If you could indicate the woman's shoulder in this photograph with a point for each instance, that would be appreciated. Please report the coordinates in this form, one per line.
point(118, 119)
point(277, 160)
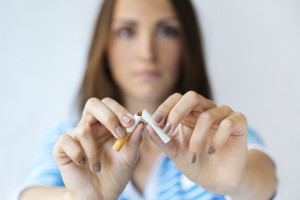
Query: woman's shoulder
point(52, 135)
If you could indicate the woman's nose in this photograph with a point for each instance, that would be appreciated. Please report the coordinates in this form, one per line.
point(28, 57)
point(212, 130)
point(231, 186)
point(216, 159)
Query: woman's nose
point(145, 48)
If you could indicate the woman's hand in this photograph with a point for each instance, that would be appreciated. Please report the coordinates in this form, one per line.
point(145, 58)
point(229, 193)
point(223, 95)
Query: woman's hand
point(210, 143)
point(90, 168)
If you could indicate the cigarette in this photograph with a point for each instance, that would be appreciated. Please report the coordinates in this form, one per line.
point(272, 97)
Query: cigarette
point(120, 142)
point(148, 118)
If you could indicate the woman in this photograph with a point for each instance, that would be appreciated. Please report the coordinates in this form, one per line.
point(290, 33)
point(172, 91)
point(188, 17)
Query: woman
point(147, 55)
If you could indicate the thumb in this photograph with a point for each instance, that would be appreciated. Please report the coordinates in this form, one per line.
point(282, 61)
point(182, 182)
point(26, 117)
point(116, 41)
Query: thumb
point(168, 148)
point(133, 143)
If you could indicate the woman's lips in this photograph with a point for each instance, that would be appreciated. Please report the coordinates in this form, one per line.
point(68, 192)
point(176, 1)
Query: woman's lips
point(148, 75)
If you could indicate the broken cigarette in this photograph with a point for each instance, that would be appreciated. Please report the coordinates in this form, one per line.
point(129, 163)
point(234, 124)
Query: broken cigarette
point(145, 115)
point(148, 118)
point(120, 142)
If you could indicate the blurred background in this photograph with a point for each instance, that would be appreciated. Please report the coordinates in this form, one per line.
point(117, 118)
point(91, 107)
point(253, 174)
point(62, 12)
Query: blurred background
point(252, 50)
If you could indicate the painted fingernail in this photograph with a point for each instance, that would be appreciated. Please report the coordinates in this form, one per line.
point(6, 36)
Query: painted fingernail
point(157, 117)
point(120, 131)
point(167, 128)
point(82, 161)
point(211, 151)
point(127, 118)
point(97, 167)
point(191, 157)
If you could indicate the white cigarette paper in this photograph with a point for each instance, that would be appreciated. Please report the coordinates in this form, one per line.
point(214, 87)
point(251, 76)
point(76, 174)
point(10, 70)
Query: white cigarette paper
point(137, 119)
point(148, 118)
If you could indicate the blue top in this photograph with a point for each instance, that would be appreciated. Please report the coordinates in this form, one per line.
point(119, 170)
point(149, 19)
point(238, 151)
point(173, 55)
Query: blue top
point(165, 180)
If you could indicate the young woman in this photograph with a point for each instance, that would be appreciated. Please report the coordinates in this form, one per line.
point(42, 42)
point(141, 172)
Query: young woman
point(147, 55)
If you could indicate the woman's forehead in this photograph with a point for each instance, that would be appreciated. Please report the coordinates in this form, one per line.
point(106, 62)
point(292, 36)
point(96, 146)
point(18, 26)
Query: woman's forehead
point(143, 9)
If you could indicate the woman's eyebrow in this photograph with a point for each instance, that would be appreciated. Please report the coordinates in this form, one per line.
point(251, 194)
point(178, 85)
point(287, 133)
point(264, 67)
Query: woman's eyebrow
point(168, 20)
point(128, 21)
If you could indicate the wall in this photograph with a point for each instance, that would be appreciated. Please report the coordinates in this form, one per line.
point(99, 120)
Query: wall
point(252, 52)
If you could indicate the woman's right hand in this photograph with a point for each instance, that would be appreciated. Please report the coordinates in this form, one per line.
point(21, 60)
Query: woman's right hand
point(90, 168)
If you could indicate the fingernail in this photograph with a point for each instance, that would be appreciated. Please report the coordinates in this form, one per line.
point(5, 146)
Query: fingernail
point(167, 128)
point(191, 157)
point(126, 118)
point(120, 131)
point(157, 117)
point(211, 151)
point(97, 167)
point(82, 161)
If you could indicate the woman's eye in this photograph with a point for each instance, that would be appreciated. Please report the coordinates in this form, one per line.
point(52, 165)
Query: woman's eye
point(167, 31)
point(126, 32)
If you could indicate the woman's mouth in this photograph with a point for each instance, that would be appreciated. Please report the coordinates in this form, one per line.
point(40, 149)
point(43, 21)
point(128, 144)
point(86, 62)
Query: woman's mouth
point(148, 74)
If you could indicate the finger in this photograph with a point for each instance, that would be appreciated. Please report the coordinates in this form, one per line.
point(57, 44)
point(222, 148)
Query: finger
point(65, 145)
point(84, 135)
point(204, 123)
point(190, 102)
point(168, 148)
point(235, 124)
point(96, 111)
point(160, 115)
point(135, 138)
point(126, 119)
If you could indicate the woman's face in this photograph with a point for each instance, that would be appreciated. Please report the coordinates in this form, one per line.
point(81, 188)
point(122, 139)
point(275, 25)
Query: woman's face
point(144, 48)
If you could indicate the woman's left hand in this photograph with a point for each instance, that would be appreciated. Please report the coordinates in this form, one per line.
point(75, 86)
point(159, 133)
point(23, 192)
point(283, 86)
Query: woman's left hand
point(209, 144)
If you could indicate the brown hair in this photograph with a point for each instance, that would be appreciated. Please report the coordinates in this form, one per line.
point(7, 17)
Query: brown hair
point(97, 81)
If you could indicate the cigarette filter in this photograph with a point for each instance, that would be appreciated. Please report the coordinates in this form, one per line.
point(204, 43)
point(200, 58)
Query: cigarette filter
point(120, 142)
point(148, 118)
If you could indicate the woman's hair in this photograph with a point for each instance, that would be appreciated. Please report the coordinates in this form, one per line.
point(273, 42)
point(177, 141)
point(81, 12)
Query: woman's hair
point(98, 82)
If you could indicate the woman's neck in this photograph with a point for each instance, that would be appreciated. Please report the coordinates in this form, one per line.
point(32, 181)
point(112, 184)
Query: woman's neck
point(134, 105)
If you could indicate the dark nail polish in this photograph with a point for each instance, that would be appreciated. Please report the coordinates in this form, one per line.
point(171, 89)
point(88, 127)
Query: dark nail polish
point(120, 131)
point(211, 151)
point(167, 128)
point(126, 118)
point(157, 117)
point(82, 161)
point(97, 167)
point(191, 157)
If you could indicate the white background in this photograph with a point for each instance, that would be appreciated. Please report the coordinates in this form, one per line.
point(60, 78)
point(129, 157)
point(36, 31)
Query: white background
point(252, 50)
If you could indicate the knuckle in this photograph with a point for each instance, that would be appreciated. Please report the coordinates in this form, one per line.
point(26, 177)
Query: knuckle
point(175, 114)
point(196, 142)
point(241, 116)
point(206, 117)
point(92, 156)
point(106, 100)
point(228, 124)
point(192, 94)
point(211, 103)
point(63, 139)
point(77, 154)
point(226, 109)
point(90, 102)
point(85, 131)
point(177, 95)
point(111, 119)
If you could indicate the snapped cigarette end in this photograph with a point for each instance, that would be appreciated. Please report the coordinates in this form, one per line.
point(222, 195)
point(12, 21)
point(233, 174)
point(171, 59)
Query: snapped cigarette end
point(120, 142)
point(148, 118)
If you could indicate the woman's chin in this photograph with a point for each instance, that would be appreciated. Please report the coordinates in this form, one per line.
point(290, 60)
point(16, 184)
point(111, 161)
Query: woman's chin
point(152, 96)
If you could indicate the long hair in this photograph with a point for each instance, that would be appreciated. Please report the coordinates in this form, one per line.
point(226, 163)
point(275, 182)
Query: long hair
point(98, 82)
